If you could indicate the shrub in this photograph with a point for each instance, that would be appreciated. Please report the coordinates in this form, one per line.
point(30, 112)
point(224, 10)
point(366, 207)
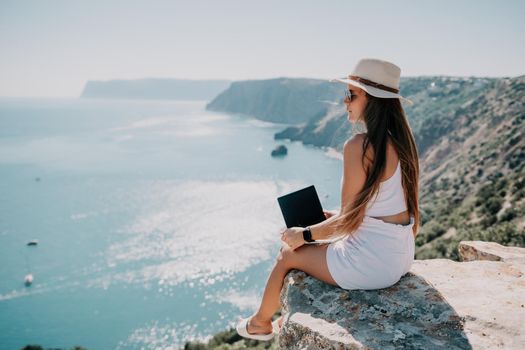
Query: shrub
point(488, 220)
point(506, 233)
point(493, 205)
point(430, 231)
point(508, 215)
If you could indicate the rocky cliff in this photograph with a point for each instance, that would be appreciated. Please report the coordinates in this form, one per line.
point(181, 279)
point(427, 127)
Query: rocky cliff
point(280, 100)
point(473, 175)
point(440, 304)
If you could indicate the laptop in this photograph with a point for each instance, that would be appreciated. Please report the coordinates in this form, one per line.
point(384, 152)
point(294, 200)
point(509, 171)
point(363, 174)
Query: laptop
point(301, 208)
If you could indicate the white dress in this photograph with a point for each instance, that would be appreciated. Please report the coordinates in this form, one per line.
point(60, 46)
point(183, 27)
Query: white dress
point(379, 253)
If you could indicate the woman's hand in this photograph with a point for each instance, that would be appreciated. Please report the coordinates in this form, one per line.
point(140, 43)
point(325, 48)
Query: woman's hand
point(329, 214)
point(293, 237)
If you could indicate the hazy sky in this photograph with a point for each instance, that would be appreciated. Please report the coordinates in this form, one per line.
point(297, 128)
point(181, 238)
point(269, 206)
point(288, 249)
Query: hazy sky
point(51, 48)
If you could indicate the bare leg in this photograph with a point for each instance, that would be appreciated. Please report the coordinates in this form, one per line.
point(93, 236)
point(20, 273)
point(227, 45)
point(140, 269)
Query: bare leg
point(308, 258)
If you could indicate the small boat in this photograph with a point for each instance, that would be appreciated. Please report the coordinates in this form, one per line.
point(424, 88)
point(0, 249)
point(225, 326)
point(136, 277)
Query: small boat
point(33, 242)
point(28, 279)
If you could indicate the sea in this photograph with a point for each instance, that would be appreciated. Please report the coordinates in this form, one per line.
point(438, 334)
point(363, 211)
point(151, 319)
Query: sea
point(156, 221)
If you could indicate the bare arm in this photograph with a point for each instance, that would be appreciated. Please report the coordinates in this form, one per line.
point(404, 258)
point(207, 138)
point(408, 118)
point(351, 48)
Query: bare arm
point(354, 177)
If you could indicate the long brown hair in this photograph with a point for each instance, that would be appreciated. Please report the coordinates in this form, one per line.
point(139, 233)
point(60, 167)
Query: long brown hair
point(384, 117)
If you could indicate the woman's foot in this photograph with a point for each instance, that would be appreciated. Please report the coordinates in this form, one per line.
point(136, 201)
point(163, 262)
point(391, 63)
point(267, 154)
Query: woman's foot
point(255, 326)
point(252, 328)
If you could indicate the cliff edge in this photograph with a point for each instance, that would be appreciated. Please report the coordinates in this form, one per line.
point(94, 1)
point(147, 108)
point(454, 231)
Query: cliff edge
point(477, 303)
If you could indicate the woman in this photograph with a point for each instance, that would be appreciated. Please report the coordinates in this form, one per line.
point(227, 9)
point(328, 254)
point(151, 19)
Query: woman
point(379, 215)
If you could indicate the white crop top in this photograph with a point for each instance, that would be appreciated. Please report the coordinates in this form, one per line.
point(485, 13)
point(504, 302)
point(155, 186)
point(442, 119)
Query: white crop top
point(390, 198)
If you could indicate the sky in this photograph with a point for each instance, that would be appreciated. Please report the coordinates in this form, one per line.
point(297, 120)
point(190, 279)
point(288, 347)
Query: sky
point(52, 48)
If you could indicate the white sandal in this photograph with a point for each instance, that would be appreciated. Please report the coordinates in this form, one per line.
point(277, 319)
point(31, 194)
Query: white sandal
point(242, 330)
point(276, 327)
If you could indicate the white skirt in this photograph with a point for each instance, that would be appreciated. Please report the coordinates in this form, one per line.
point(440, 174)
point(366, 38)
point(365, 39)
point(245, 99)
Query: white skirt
point(376, 256)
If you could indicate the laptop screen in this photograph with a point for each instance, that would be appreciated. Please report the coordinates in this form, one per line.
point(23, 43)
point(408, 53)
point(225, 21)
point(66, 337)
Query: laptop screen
point(301, 208)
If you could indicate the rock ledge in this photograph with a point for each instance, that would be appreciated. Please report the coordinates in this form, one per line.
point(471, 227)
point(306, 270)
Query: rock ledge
point(439, 304)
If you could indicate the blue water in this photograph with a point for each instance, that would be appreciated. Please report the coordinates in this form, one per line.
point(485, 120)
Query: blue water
point(157, 221)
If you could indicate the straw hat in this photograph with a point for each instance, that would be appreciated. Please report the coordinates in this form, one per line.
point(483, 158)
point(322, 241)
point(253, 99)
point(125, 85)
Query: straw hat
point(377, 77)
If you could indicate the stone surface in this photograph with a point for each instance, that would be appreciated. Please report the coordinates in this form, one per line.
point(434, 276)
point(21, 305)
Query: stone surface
point(439, 304)
point(479, 250)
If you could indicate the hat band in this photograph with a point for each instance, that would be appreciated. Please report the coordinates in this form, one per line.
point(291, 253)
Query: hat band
point(371, 83)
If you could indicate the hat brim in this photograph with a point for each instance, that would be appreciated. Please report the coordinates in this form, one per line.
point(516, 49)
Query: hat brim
point(372, 90)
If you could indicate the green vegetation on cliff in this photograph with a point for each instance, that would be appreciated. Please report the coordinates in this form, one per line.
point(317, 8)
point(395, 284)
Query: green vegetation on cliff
point(230, 340)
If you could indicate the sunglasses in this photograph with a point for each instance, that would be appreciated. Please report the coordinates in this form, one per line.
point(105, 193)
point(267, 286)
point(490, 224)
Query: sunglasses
point(349, 94)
